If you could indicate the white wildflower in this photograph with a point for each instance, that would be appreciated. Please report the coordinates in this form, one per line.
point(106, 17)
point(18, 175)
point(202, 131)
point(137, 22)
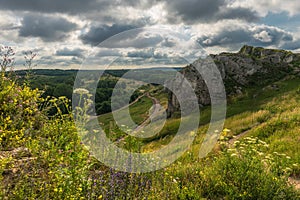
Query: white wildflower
point(81, 91)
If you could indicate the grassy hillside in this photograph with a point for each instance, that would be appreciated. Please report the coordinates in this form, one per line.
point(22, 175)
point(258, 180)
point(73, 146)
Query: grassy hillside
point(255, 107)
point(263, 127)
point(139, 112)
point(42, 157)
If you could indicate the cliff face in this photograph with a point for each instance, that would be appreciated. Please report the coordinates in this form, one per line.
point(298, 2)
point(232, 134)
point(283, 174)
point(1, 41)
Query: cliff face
point(249, 67)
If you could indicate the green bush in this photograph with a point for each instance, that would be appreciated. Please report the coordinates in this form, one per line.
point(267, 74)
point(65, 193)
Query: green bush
point(20, 116)
point(247, 172)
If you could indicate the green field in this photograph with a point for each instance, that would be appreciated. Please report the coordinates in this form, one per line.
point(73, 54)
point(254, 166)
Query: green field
point(257, 156)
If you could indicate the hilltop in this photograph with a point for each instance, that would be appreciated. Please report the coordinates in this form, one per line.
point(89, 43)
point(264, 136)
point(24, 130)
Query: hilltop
point(249, 67)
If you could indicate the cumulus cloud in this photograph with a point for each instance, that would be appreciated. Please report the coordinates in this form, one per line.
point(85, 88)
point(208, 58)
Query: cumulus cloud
point(48, 28)
point(168, 43)
point(70, 52)
point(218, 24)
point(241, 13)
point(263, 36)
point(194, 11)
point(104, 52)
point(57, 62)
point(98, 34)
point(269, 35)
point(46, 6)
point(71, 7)
point(147, 53)
point(135, 38)
point(266, 6)
point(252, 35)
point(146, 62)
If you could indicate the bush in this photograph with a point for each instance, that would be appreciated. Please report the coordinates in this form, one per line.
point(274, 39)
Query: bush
point(56, 166)
point(20, 116)
point(247, 172)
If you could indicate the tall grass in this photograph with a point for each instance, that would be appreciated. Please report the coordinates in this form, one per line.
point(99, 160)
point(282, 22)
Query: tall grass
point(55, 165)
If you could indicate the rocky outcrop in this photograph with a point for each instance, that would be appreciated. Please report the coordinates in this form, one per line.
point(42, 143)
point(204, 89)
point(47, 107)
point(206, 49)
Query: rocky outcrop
point(248, 67)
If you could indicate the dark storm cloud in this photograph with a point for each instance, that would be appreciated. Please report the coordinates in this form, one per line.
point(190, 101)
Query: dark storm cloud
point(188, 11)
point(238, 13)
point(98, 34)
point(130, 37)
point(195, 11)
point(70, 52)
point(48, 28)
point(260, 36)
point(70, 6)
point(74, 6)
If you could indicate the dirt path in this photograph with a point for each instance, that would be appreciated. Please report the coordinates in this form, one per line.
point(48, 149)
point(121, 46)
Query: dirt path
point(155, 111)
point(239, 136)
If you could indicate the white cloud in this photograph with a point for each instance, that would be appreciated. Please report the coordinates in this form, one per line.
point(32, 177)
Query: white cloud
point(227, 31)
point(263, 36)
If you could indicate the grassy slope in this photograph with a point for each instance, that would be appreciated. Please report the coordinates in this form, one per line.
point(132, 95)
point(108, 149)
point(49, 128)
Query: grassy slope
point(257, 111)
point(273, 116)
point(261, 111)
point(138, 111)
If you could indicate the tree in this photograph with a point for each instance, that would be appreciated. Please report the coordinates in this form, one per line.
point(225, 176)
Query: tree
point(63, 89)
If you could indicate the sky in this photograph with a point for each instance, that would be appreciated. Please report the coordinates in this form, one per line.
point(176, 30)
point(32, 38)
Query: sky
point(67, 33)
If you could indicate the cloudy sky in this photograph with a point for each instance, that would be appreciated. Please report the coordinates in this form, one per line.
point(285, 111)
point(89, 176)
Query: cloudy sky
point(64, 32)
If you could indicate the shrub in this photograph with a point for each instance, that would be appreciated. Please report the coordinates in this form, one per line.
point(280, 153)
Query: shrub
point(20, 116)
point(247, 172)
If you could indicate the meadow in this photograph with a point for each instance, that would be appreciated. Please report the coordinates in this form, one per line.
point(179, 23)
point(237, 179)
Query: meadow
point(257, 155)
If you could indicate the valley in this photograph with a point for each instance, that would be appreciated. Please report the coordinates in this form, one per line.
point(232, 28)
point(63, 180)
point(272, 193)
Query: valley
point(257, 155)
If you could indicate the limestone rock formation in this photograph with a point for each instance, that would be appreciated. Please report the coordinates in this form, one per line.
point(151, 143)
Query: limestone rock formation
point(248, 67)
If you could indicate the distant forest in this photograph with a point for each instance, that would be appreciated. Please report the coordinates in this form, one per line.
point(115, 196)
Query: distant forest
point(57, 83)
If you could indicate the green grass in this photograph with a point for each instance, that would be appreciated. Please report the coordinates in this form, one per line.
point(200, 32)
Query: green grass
point(268, 114)
point(139, 112)
point(258, 107)
point(255, 167)
point(256, 111)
